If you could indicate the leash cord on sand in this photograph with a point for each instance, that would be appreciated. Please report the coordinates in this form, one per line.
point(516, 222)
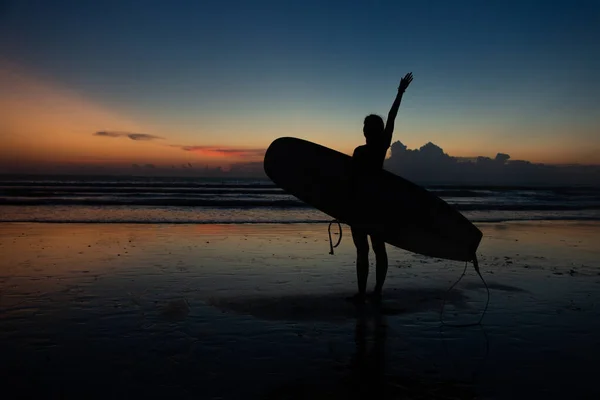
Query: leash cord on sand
point(476, 266)
point(331, 246)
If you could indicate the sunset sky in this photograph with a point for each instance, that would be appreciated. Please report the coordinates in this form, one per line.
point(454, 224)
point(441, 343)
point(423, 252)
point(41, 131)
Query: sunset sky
point(174, 83)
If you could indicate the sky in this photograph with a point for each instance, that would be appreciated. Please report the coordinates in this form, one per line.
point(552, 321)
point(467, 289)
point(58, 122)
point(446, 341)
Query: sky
point(179, 84)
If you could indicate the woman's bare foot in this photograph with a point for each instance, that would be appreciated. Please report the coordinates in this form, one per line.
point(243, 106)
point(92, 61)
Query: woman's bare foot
point(358, 298)
point(375, 296)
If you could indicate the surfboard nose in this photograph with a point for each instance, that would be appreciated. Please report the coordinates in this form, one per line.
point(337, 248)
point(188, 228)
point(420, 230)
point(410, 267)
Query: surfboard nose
point(272, 154)
point(280, 152)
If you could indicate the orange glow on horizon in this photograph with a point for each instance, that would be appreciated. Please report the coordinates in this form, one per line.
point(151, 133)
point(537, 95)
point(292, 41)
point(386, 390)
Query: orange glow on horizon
point(44, 125)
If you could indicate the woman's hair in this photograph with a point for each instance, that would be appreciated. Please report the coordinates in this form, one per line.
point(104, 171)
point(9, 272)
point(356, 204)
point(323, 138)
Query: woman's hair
point(374, 126)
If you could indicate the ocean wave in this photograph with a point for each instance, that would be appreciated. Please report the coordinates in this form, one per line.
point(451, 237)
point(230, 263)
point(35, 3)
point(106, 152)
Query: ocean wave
point(258, 202)
point(136, 184)
point(162, 202)
point(258, 222)
point(526, 207)
point(118, 183)
point(93, 191)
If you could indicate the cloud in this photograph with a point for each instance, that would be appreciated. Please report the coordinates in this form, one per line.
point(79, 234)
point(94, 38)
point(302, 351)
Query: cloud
point(215, 151)
point(206, 151)
point(430, 164)
point(130, 135)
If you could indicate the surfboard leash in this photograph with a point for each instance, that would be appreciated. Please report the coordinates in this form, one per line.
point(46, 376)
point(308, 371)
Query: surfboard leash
point(331, 246)
point(476, 266)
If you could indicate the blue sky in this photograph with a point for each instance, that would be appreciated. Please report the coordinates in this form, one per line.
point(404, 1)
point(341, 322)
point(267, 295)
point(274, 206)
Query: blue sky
point(489, 76)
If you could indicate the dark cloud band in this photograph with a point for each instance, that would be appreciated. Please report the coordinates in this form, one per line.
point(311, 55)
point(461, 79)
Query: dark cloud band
point(130, 135)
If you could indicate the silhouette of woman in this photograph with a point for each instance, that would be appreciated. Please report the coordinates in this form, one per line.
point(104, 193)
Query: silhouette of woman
point(369, 158)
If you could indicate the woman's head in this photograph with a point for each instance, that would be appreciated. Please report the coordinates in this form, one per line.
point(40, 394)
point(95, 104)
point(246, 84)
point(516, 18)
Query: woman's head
point(373, 127)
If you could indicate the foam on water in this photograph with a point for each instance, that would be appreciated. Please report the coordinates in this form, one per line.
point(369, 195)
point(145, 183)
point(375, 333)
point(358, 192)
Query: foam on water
point(195, 200)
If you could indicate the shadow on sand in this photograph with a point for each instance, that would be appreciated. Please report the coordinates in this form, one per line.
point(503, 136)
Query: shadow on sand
point(334, 306)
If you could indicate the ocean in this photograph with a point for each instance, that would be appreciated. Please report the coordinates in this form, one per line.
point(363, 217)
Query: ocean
point(181, 308)
point(160, 200)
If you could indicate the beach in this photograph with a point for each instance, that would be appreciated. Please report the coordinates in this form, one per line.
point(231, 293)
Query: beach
point(228, 311)
point(173, 176)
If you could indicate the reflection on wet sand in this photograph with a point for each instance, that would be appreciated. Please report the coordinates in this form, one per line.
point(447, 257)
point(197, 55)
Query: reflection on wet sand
point(368, 366)
point(366, 376)
point(369, 375)
point(240, 311)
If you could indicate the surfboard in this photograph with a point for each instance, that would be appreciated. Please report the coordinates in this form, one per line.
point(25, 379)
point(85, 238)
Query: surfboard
point(401, 212)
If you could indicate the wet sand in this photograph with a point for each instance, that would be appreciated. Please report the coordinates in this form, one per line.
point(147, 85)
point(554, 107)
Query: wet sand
point(259, 311)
